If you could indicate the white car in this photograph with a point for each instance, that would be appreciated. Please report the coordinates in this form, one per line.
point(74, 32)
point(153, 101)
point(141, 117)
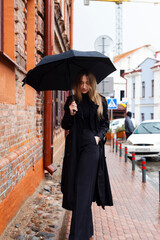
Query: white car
point(116, 123)
point(145, 140)
point(119, 122)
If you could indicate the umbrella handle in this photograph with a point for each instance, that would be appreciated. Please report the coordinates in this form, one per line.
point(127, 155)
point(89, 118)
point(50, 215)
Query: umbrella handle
point(72, 95)
point(74, 111)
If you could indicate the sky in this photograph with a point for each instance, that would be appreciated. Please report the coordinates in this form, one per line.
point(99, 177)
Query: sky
point(140, 24)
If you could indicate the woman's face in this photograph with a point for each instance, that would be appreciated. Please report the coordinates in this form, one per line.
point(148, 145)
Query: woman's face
point(84, 85)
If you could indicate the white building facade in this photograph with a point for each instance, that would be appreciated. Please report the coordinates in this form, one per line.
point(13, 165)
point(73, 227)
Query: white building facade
point(128, 62)
point(143, 90)
point(156, 71)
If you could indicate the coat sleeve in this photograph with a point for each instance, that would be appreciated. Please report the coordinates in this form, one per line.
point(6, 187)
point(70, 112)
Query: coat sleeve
point(68, 119)
point(104, 122)
point(129, 125)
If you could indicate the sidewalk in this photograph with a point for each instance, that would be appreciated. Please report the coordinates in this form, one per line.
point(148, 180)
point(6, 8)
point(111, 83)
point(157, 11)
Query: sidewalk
point(41, 216)
point(134, 216)
point(136, 211)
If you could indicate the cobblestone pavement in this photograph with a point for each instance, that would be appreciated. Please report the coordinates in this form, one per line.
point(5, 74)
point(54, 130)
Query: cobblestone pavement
point(136, 211)
point(41, 216)
point(135, 214)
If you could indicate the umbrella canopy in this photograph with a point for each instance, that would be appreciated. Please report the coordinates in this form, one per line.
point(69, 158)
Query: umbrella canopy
point(58, 72)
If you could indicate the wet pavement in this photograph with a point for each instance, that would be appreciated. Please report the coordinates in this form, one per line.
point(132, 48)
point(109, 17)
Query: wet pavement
point(41, 216)
point(152, 170)
point(136, 211)
point(135, 214)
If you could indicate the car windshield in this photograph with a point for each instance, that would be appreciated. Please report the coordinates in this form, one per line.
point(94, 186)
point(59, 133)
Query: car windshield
point(115, 123)
point(148, 128)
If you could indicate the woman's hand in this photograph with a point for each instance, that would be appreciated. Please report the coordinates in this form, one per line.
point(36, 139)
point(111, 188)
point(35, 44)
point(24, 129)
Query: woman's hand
point(97, 139)
point(73, 108)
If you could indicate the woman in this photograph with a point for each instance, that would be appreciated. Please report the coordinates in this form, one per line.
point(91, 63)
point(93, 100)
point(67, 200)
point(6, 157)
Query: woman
point(84, 174)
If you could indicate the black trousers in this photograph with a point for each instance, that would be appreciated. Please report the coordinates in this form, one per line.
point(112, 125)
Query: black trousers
point(128, 134)
point(81, 223)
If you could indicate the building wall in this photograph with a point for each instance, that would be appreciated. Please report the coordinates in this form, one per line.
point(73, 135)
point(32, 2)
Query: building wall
point(148, 104)
point(137, 97)
point(62, 43)
point(127, 63)
point(22, 108)
point(119, 85)
point(147, 76)
point(156, 92)
point(134, 103)
point(133, 97)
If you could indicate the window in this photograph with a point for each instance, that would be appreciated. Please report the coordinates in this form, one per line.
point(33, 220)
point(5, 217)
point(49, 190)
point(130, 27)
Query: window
point(143, 89)
point(121, 94)
point(133, 90)
point(122, 72)
point(152, 89)
point(152, 115)
point(142, 116)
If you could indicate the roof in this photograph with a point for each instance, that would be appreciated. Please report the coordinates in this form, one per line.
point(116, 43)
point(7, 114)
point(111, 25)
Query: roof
point(123, 55)
point(157, 65)
point(132, 71)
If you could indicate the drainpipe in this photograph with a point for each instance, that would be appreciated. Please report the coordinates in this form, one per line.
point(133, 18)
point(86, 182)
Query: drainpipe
point(71, 25)
point(123, 75)
point(1, 25)
point(49, 33)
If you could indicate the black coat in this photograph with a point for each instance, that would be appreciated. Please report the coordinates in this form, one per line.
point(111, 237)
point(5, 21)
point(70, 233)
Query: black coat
point(74, 124)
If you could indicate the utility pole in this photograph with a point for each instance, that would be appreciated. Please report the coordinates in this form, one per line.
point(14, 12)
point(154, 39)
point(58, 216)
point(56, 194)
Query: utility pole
point(119, 29)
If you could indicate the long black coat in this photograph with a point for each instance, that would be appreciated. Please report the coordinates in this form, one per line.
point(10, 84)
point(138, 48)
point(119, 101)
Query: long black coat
point(74, 124)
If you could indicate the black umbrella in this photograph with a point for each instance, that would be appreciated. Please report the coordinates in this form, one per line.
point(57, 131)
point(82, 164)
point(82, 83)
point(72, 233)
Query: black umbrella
point(57, 72)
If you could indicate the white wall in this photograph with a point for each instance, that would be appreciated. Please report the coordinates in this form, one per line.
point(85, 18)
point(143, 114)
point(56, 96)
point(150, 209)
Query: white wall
point(129, 63)
point(156, 93)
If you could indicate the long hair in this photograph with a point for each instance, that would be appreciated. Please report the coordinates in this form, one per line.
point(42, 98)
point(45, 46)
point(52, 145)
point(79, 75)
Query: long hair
point(93, 93)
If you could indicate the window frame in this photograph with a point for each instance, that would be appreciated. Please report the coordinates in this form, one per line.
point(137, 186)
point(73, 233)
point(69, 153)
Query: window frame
point(142, 117)
point(122, 94)
point(143, 89)
point(152, 116)
point(152, 88)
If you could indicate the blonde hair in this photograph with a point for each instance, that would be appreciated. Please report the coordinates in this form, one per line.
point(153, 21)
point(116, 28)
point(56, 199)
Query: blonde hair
point(93, 93)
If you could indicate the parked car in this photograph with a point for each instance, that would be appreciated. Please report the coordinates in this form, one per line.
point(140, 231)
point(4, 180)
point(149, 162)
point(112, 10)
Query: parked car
point(145, 140)
point(116, 123)
point(119, 123)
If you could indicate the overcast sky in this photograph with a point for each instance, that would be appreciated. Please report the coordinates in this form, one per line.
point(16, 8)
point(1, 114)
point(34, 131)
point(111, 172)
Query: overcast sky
point(141, 24)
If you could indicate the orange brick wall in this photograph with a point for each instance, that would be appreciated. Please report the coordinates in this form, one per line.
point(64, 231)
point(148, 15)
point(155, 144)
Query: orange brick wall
point(21, 113)
point(9, 47)
point(22, 109)
point(30, 92)
point(7, 82)
point(24, 188)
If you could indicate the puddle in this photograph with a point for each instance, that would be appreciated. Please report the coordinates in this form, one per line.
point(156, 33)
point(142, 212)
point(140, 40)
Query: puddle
point(152, 170)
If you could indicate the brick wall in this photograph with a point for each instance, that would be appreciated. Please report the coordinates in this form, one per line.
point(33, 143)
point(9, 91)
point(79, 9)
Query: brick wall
point(21, 125)
point(22, 109)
